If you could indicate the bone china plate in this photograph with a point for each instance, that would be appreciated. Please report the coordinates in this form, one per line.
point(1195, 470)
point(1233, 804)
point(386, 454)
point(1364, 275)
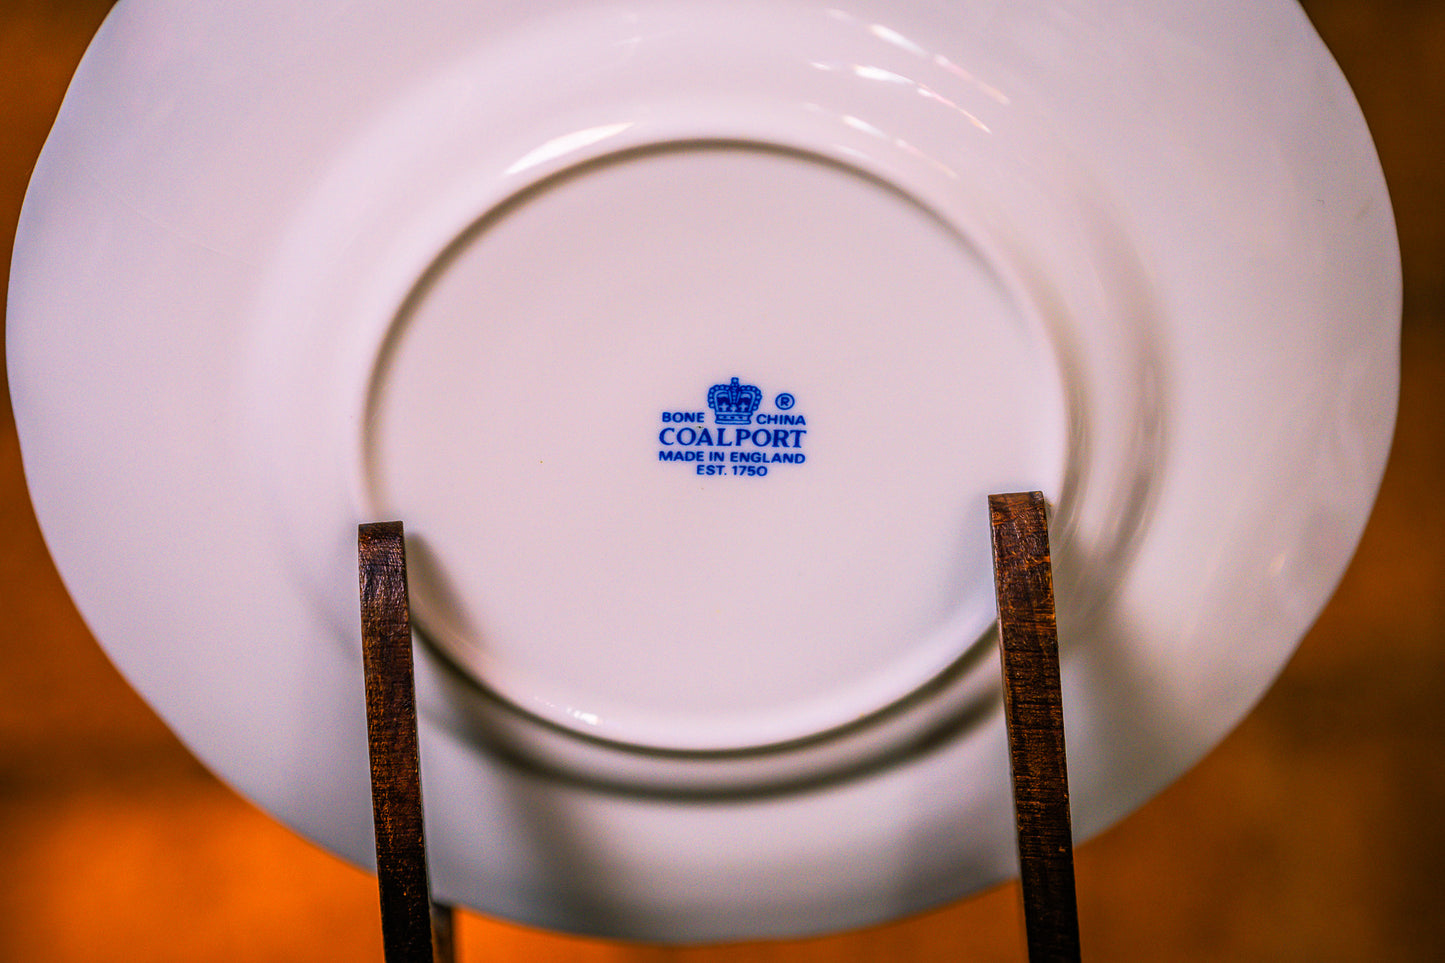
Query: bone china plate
point(688, 338)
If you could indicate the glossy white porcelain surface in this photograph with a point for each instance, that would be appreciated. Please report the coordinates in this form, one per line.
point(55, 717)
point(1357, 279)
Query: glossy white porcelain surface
point(710, 583)
point(693, 671)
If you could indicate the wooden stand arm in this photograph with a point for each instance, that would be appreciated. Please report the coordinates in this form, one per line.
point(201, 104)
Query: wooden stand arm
point(407, 912)
point(1033, 704)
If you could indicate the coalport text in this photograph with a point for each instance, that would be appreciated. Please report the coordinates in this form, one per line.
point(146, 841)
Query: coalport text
point(761, 447)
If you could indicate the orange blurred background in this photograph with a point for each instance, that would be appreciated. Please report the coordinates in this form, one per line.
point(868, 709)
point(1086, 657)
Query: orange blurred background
point(1314, 832)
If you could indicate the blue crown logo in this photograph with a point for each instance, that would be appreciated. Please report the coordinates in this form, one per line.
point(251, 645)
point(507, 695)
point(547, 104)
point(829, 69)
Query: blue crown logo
point(734, 403)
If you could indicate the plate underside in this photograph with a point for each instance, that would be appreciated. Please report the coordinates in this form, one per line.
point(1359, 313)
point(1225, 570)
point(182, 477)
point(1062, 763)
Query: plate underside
point(687, 339)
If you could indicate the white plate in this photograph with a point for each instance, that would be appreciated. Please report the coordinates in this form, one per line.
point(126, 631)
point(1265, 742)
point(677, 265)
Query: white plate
point(286, 267)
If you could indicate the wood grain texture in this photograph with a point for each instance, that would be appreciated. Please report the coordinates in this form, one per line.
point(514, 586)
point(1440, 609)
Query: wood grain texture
point(406, 911)
point(1029, 651)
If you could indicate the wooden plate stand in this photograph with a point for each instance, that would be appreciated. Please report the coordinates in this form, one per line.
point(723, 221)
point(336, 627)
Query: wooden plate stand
point(414, 929)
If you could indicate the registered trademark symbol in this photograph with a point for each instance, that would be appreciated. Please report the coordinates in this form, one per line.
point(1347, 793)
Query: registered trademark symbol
point(784, 401)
